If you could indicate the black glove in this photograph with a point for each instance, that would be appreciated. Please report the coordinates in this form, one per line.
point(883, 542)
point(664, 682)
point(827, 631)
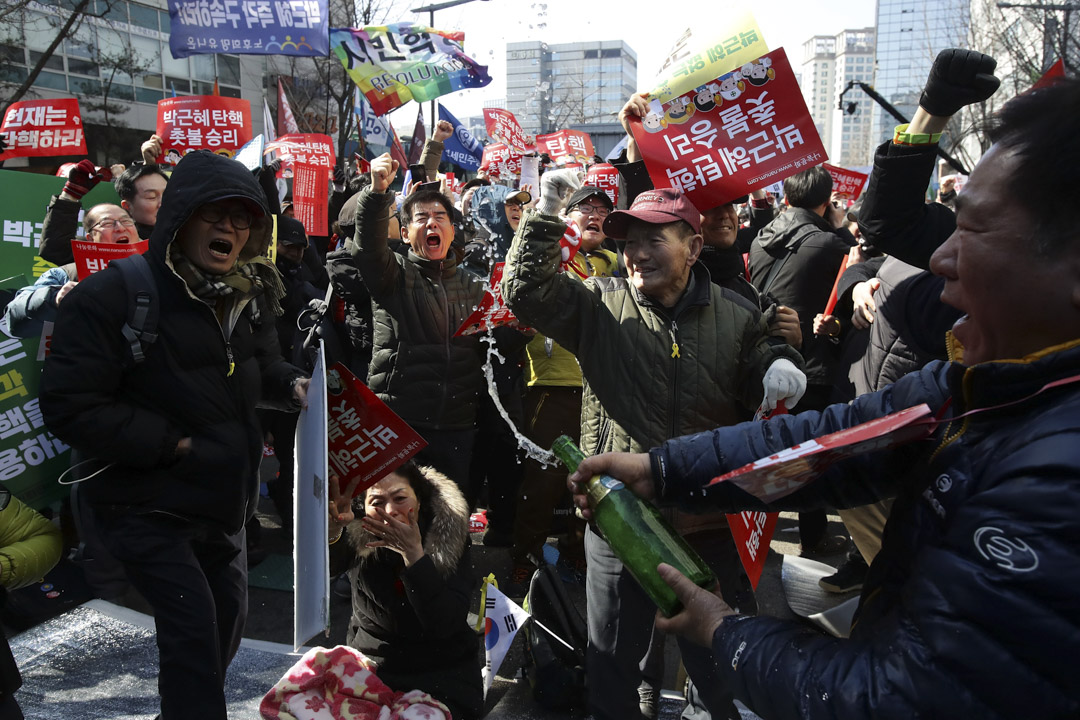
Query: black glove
point(339, 176)
point(958, 78)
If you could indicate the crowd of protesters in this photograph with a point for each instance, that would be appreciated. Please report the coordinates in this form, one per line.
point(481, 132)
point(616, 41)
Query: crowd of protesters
point(657, 337)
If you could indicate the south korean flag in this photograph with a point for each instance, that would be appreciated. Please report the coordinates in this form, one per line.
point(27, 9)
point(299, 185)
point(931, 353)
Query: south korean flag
point(502, 619)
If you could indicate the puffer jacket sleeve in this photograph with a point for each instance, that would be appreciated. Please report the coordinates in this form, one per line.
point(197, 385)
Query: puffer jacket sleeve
point(61, 226)
point(895, 217)
point(688, 464)
point(278, 375)
point(369, 248)
point(82, 378)
point(34, 304)
point(30, 545)
point(982, 628)
point(540, 296)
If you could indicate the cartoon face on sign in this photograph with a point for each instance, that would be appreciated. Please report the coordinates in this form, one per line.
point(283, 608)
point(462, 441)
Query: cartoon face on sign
point(732, 86)
point(654, 120)
point(705, 99)
point(759, 72)
point(679, 111)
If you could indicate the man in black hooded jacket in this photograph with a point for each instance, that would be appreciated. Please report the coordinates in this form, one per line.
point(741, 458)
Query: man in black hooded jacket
point(175, 437)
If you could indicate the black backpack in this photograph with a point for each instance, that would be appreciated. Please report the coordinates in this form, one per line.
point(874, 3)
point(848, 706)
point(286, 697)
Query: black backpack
point(556, 673)
point(140, 328)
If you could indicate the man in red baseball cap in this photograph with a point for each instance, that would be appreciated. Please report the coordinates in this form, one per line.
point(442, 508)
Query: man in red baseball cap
point(662, 352)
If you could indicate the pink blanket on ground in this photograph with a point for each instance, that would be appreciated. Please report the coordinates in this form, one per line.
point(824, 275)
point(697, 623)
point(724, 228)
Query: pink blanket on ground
point(340, 684)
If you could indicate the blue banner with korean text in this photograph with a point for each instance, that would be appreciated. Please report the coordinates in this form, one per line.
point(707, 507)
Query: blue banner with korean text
point(249, 27)
point(461, 148)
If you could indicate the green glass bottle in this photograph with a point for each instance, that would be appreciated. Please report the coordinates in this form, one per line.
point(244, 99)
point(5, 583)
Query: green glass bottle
point(637, 533)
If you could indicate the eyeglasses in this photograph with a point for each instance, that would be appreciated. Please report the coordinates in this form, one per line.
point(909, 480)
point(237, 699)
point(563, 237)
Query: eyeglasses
point(239, 217)
point(597, 210)
point(110, 224)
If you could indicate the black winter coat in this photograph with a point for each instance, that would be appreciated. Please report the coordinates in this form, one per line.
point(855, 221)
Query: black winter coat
point(194, 382)
point(972, 607)
point(813, 252)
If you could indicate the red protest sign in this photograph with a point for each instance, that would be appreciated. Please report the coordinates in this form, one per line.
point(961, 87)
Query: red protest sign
point(42, 128)
point(1057, 70)
point(366, 439)
point(492, 311)
point(90, 257)
point(846, 183)
point(500, 161)
point(202, 122)
point(566, 147)
point(503, 127)
point(753, 532)
point(310, 189)
point(605, 177)
point(746, 130)
point(310, 148)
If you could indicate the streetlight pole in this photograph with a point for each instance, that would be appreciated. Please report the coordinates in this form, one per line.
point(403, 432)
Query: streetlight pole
point(431, 10)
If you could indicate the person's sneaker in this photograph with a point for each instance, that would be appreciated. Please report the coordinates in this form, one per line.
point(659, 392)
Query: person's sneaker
point(829, 545)
point(848, 578)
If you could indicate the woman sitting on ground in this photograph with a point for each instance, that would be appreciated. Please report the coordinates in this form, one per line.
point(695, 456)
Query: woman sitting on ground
point(412, 581)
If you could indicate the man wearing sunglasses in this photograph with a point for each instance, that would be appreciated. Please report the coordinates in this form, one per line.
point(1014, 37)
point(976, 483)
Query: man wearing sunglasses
point(172, 440)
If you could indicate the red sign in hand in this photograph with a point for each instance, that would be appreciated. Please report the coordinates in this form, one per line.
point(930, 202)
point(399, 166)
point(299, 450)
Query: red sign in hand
point(847, 184)
point(605, 177)
point(746, 130)
point(310, 190)
point(753, 532)
point(92, 257)
point(500, 161)
point(492, 310)
point(202, 122)
point(566, 147)
point(503, 127)
point(366, 439)
point(42, 128)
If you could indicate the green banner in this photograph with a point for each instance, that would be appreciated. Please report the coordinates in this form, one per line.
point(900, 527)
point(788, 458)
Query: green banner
point(31, 458)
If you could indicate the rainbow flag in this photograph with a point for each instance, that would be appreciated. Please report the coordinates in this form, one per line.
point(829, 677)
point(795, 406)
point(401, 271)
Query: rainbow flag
point(393, 64)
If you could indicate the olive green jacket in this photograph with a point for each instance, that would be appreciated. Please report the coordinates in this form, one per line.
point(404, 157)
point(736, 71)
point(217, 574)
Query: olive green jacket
point(650, 374)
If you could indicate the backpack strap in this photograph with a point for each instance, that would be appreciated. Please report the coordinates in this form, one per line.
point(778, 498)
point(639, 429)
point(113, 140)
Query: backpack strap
point(140, 329)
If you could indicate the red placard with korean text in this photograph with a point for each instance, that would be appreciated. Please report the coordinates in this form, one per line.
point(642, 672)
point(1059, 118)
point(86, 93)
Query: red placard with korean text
point(566, 147)
point(310, 189)
point(366, 440)
point(43, 128)
point(500, 161)
point(492, 311)
point(202, 122)
point(311, 148)
point(847, 184)
point(91, 257)
point(605, 177)
point(503, 127)
point(753, 531)
point(745, 130)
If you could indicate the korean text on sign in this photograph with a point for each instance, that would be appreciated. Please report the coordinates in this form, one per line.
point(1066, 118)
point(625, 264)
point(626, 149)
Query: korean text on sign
point(253, 27)
point(20, 419)
point(41, 128)
point(208, 122)
point(743, 131)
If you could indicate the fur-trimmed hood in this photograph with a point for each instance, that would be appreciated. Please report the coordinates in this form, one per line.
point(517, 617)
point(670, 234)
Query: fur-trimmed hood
point(444, 541)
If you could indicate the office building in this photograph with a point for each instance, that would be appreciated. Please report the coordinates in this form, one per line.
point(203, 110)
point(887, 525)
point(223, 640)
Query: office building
point(830, 62)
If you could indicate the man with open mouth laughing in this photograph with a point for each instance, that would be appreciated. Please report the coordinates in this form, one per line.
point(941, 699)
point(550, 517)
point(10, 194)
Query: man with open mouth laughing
point(418, 300)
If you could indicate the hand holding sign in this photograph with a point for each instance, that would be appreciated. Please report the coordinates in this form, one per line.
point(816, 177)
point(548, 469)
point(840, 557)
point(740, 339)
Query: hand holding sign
point(383, 171)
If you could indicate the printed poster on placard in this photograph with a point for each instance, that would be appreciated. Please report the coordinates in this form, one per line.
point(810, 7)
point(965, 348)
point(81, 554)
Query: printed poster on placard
point(500, 162)
point(566, 147)
point(605, 177)
point(753, 531)
point(393, 64)
point(92, 257)
point(249, 27)
point(202, 122)
point(492, 311)
point(503, 126)
point(705, 56)
point(310, 148)
point(742, 131)
point(43, 128)
point(310, 189)
point(846, 184)
point(366, 438)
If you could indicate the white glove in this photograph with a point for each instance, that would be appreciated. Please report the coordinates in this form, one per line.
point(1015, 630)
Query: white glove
point(555, 187)
point(783, 381)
